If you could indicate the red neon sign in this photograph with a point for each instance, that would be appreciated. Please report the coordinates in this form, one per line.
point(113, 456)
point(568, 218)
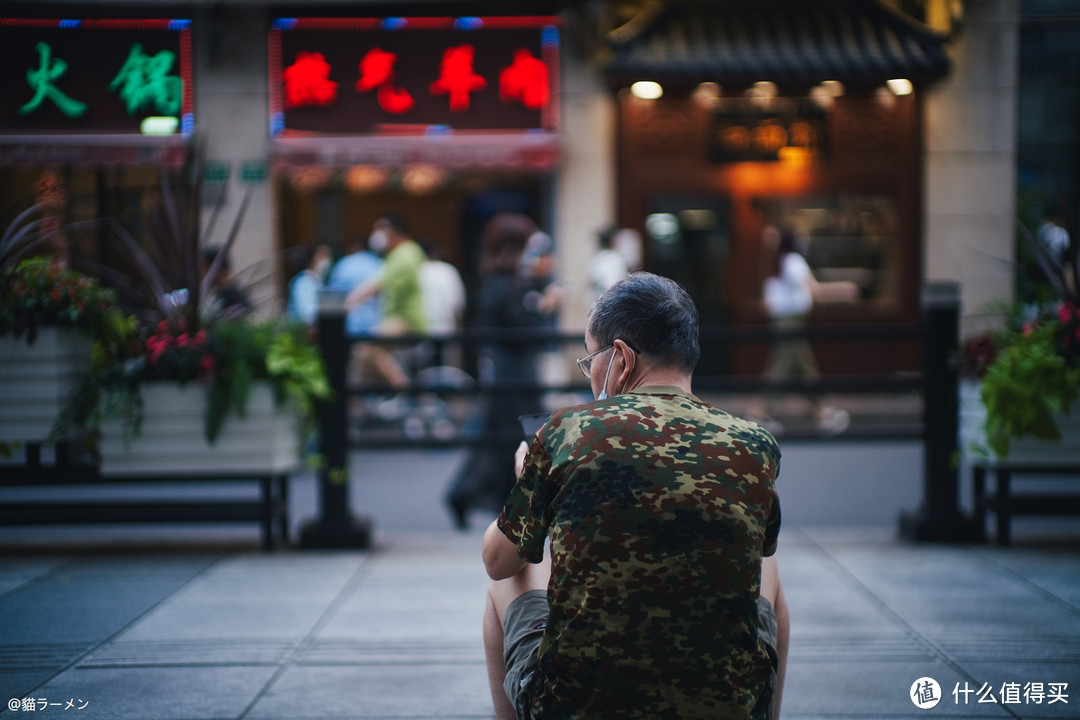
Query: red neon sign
point(526, 80)
point(377, 71)
point(307, 81)
point(457, 78)
point(464, 74)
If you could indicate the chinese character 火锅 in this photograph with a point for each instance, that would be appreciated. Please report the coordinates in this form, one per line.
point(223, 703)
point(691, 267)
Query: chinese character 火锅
point(144, 80)
point(41, 80)
point(456, 77)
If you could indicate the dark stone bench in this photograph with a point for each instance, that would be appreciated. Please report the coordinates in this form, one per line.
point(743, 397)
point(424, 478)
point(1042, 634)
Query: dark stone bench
point(1005, 503)
point(269, 508)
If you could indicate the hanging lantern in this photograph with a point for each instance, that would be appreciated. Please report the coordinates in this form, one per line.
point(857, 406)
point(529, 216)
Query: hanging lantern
point(420, 178)
point(365, 178)
point(310, 179)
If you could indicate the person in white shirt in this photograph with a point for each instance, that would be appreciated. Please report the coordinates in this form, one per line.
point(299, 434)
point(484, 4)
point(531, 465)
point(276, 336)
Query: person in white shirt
point(443, 290)
point(789, 297)
point(608, 266)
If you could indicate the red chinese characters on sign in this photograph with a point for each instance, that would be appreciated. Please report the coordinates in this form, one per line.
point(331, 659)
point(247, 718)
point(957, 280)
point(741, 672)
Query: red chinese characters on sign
point(526, 80)
point(377, 71)
point(307, 81)
point(456, 77)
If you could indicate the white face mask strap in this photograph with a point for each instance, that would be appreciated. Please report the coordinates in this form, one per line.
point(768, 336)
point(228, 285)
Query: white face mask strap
point(603, 391)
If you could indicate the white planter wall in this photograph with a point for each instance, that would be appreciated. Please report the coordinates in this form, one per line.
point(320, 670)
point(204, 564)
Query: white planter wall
point(1027, 450)
point(37, 380)
point(172, 442)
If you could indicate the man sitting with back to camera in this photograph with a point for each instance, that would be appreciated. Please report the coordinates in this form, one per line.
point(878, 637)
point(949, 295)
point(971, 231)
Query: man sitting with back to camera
point(657, 599)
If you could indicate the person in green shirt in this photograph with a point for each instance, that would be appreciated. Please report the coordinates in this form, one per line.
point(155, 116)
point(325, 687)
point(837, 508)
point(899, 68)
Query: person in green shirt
point(401, 298)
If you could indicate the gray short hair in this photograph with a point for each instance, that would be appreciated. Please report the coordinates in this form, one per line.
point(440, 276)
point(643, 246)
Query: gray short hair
point(652, 314)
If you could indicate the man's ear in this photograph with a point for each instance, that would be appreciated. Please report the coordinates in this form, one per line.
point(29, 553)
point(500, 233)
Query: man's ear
point(630, 360)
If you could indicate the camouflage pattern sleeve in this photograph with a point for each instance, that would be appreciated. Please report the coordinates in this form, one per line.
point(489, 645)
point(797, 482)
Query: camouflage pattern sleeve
point(527, 514)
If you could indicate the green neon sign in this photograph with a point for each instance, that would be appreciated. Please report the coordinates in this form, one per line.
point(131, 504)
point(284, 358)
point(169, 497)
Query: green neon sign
point(41, 81)
point(144, 81)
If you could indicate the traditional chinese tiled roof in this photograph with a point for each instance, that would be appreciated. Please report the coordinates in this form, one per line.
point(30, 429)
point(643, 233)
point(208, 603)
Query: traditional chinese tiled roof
point(859, 42)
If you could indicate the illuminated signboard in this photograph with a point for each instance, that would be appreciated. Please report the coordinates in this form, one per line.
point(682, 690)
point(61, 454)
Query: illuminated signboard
point(400, 76)
point(742, 131)
point(96, 76)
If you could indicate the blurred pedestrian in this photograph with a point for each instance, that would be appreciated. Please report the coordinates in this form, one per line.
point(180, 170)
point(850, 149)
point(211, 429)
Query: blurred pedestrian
point(505, 303)
point(443, 291)
point(227, 295)
point(1054, 237)
point(401, 307)
point(607, 266)
point(311, 264)
point(788, 295)
point(350, 272)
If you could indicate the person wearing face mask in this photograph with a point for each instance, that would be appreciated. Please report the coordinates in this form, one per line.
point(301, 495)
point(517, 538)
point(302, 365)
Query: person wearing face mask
point(401, 300)
point(658, 514)
point(311, 265)
point(505, 302)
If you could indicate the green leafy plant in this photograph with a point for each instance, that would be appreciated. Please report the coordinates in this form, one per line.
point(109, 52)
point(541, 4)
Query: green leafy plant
point(181, 334)
point(225, 358)
point(1034, 376)
point(40, 291)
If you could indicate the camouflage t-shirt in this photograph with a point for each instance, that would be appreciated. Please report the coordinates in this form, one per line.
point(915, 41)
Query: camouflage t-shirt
point(659, 508)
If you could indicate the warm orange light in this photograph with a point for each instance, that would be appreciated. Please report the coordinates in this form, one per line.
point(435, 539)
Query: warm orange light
point(647, 90)
point(900, 86)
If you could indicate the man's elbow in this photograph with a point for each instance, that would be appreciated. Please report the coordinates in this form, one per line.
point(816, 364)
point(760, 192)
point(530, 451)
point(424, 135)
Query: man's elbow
point(499, 565)
point(499, 555)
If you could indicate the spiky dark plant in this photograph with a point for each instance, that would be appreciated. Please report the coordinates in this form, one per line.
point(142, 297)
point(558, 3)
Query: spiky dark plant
point(170, 281)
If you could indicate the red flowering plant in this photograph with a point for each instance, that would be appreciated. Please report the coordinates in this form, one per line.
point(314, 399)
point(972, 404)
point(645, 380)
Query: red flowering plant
point(1034, 375)
point(173, 353)
point(40, 291)
point(1029, 369)
point(185, 333)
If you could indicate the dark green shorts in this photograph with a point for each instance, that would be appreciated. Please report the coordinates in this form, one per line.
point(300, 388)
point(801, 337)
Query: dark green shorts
point(523, 628)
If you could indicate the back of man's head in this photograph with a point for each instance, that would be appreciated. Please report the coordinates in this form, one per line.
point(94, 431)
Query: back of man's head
point(653, 315)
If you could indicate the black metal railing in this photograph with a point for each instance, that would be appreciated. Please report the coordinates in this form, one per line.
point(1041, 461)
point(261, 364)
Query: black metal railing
point(363, 414)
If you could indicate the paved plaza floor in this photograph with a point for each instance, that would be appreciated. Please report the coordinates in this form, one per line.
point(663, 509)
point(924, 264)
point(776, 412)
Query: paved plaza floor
point(197, 623)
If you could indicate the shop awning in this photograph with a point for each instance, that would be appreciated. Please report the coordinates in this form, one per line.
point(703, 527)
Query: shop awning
point(93, 149)
point(858, 42)
point(528, 151)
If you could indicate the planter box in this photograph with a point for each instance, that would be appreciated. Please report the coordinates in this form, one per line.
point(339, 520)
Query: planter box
point(37, 380)
point(1028, 450)
point(172, 442)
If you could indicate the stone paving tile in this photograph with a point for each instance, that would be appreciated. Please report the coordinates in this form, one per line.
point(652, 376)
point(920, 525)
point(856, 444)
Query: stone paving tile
point(54, 611)
point(422, 691)
point(869, 688)
point(159, 693)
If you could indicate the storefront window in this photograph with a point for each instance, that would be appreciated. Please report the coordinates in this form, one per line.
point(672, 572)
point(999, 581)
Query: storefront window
point(849, 240)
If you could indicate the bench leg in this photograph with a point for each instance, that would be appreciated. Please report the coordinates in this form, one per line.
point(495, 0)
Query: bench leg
point(266, 485)
point(1003, 514)
point(283, 510)
point(978, 482)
